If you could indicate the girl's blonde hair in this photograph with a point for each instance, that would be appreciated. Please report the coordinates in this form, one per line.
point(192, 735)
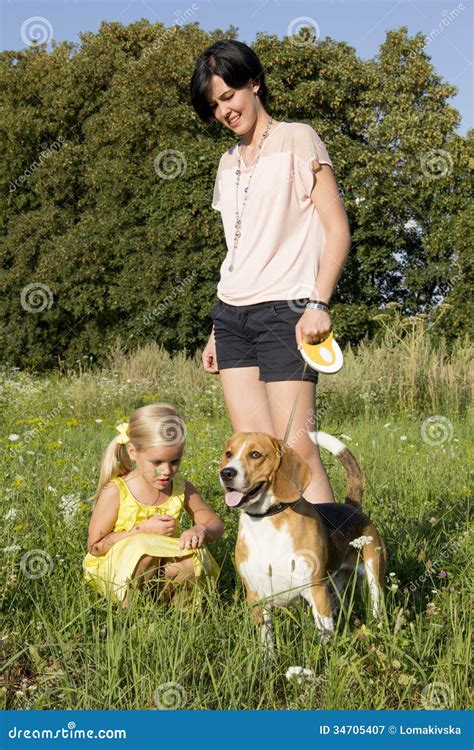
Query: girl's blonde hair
point(154, 425)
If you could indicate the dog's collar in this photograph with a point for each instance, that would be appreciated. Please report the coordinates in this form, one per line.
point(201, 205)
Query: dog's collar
point(274, 509)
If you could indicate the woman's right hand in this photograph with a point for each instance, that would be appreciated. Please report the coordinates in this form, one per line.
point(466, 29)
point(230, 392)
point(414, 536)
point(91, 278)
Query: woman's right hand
point(209, 358)
point(163, 525)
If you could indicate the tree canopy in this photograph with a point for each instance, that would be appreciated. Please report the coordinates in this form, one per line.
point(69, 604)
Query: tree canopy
point(107, 174)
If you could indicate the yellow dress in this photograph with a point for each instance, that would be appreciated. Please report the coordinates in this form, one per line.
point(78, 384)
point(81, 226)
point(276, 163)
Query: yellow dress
point(111, 572)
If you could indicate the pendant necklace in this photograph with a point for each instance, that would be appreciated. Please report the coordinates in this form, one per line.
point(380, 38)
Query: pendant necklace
point(238, 219)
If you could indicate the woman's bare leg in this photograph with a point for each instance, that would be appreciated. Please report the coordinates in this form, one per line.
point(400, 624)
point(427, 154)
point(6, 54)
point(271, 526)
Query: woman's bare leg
point(281, 397)
point(246, 399)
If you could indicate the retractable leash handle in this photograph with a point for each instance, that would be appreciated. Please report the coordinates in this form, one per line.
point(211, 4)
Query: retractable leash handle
point(323, 357)
point(326, 356)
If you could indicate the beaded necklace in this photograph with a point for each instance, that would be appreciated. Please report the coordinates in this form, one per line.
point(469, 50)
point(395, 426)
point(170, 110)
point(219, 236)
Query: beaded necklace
point(238, 219)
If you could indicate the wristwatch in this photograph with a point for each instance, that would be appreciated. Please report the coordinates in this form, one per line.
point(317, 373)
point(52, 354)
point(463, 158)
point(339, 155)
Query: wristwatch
point(317, 305)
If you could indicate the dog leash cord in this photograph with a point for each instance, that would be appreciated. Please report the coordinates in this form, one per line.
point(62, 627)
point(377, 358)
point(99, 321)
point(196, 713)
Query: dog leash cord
point(293, 408)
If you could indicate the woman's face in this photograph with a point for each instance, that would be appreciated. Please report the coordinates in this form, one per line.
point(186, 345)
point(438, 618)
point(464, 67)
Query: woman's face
point(237, 109)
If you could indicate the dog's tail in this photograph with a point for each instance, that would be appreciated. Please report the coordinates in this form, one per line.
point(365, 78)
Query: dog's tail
point(355, 477)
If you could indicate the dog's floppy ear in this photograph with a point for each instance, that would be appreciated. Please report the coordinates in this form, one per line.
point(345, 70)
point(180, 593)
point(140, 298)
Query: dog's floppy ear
point(292, 475)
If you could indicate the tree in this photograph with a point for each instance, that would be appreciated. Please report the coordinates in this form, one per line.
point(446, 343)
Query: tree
point(107, 228)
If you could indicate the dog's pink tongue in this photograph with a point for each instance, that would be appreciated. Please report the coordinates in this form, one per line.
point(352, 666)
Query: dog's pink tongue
point(233, 498)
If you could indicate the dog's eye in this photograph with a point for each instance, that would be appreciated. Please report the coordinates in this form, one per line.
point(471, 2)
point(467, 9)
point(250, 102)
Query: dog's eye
point(255, 454)
point(228, 454)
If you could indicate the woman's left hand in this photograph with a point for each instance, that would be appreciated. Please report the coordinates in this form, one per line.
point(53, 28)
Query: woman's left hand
point(313, 327)
point(192, 538)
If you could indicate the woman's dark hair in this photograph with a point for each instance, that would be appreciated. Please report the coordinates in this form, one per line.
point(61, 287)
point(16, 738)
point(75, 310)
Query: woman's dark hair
point(232, 61)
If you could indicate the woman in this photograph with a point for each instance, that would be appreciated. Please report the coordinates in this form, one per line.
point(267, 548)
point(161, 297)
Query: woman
point(287, 237)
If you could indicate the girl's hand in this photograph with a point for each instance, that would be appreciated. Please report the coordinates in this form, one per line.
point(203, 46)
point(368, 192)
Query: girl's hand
point(312, 327)
point(192, 538)
point(163, 525)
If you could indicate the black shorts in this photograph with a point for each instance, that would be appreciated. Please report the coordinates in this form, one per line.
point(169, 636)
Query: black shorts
point(263, 336)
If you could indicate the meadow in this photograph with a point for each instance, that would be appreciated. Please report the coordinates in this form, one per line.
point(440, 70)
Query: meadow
point(401, 404)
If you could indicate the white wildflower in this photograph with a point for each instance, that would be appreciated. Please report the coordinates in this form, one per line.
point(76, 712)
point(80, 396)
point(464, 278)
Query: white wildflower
point(12, 548)
point(69, 505)
point(13, 437)
point(388, 424)
point(403, 437)
point(361, 541)
point(11, 514)
point(98, 421)
point(52, 489)
point(300, 674)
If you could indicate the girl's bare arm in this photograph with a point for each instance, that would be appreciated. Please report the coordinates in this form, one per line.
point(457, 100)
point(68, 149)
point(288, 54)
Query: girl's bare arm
point(101, 536)
point(202, 514)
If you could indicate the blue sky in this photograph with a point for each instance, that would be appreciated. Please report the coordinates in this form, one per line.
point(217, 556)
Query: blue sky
point(361, 23)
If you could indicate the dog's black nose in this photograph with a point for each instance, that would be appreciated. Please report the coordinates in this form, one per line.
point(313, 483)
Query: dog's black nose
point(228, 473)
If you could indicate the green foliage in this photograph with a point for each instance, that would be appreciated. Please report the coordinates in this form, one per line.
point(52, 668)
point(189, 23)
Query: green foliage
point(64, 647)
point(121, 250)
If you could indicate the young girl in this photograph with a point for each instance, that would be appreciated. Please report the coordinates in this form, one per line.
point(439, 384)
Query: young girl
point(288, 238)
point(135, 525)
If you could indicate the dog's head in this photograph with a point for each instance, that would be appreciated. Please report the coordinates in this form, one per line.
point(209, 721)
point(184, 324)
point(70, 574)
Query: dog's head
point(258, 471)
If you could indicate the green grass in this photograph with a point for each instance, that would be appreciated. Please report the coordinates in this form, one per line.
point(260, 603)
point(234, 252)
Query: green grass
point(62, 646)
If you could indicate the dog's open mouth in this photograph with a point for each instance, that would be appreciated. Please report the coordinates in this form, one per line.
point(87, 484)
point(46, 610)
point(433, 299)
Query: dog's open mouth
point(234, 499)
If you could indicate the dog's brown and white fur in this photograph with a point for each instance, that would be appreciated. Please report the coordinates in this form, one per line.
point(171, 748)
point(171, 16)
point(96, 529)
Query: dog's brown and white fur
point(299, 550)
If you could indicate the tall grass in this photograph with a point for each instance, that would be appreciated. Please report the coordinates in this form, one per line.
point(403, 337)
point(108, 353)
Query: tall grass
point(402, 404)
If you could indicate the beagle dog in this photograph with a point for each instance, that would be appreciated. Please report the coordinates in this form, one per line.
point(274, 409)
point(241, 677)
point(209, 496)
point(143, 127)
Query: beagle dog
point(288, 547)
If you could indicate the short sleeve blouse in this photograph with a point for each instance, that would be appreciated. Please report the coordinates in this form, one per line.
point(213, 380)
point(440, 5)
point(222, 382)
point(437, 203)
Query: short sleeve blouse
point(282, 237)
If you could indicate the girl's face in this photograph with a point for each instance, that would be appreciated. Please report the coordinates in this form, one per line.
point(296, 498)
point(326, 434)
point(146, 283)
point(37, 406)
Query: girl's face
point(157, 465)
point(237, 109)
